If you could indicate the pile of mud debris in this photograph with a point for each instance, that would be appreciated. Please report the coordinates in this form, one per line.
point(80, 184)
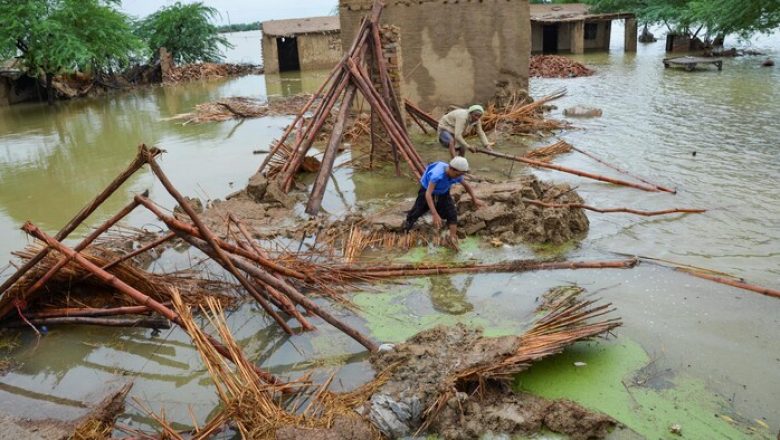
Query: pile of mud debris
point(556, 66)
point(420, 368)
point(240, 107)
point(506, 218)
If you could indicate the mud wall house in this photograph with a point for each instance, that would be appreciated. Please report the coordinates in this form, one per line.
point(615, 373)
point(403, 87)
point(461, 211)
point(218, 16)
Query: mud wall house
point(301, 44)
point(573, 28)
point(453, 51)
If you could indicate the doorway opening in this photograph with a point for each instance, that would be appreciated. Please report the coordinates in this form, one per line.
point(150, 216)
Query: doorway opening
point(287, 48)
point(550, 38)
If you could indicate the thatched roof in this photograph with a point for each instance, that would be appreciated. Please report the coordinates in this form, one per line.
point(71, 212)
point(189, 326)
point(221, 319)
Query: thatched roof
point(556, 13)
point(297, 26)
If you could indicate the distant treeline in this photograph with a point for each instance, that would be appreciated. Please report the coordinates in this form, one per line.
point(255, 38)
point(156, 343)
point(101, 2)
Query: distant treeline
point(241, 27)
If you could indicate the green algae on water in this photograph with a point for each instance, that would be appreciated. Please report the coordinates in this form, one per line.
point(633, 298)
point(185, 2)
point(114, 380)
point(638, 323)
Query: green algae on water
point(604, 384)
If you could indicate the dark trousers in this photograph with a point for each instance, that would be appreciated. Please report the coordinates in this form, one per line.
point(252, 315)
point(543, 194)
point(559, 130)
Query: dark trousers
point(444, 204)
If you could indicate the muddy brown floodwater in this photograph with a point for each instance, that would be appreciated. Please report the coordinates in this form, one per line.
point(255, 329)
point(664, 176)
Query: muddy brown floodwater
point(701, 355)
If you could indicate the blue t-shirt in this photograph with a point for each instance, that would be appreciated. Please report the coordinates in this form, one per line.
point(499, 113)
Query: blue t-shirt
point(436, 173)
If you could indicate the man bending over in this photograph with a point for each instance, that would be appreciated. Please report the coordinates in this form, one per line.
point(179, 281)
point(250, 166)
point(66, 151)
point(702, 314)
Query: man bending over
point(434, 195)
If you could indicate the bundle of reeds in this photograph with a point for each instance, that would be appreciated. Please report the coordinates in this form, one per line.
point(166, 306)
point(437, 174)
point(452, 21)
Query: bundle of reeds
point(255, 408)
point(548, 153)
point(519, 117)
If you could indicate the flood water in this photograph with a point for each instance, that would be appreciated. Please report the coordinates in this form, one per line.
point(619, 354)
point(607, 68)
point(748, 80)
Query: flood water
point(53, 160)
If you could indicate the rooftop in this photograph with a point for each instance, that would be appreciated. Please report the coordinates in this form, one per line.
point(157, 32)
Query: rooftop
point(554, 13)
point(297, 26)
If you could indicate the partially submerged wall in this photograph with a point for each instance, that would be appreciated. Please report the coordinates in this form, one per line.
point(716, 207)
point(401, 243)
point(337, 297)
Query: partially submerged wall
point(453, 52)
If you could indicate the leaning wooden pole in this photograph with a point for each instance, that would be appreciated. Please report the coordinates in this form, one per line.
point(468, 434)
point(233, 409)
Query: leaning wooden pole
point(211, 239)
point(563, 169)
point(318, 189)
point(293, 294)
point(734, 283)
point(137, 296)
point(622, 171)
point(86, 211)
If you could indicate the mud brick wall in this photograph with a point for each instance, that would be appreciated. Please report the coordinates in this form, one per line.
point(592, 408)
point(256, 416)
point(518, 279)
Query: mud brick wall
point(315, 51)
point(391, 48)
point(455, 52)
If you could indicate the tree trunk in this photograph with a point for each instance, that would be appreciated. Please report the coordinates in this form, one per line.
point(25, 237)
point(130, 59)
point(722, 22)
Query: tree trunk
point(49, 88)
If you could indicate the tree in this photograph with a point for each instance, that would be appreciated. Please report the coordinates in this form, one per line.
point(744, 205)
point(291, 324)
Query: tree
point(185, 31)
point(709, 19)
point(61, 36)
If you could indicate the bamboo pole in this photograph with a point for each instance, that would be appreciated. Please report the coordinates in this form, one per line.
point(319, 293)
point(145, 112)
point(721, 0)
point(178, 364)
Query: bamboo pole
point(563, 169)
point(175, 224)
point(153, 323)
point(318, 189)
point(80, 247)
point(428, 119)
point(376, 46)
point(138, 297)
point(610, 210)
point(734, 283)
point(520, 266)
point(620, 170)
point(385, 118)
point(86, 211)
point(88, 311)
point(293, 294)
point(211, 239)
point(283, 300)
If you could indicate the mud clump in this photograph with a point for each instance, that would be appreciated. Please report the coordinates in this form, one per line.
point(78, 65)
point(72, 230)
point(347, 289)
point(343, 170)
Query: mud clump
point(344, 428)
point(498, 411)
point(420, 368)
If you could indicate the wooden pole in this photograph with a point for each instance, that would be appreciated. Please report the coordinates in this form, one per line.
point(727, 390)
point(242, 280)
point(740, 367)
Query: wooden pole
point(86, 211)
point(609, 210)
point(318, 189)
point(622, 171)
point(563, 169)
point(81, 246)
point(88, 311)
point(285, 302)
point(137, 296)
point(211, 239)
point(291, 293)
point(518, 266)
point(175, 224)
point(734, 283)
point(155, 323)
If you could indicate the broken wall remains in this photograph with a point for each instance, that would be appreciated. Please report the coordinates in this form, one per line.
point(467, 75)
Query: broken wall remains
point(453, 52)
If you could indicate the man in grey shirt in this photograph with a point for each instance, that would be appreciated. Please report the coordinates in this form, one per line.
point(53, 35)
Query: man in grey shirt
point(455, 123)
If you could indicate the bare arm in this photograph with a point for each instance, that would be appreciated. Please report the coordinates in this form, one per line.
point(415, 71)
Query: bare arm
point(482, 136)
point(460, 127)
point(478, 203)
point(431, 205)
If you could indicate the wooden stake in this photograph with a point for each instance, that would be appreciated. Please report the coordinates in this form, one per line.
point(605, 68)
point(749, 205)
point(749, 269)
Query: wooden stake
point(609, 210)
point(318, 189)
point(563, 169)
point(622, 171)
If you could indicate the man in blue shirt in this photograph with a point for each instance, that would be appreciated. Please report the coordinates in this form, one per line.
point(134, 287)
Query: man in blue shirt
point(434, 195)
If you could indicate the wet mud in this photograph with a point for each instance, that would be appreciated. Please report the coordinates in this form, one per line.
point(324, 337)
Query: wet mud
point(420, 369)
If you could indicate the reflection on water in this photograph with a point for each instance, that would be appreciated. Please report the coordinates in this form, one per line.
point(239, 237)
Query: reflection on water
point(446, 298)
point(53, 160)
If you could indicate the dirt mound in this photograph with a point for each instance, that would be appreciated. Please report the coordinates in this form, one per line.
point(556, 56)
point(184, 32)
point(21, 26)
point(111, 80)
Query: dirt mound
point(420, 368)
point(506, 218)
point(556, 66)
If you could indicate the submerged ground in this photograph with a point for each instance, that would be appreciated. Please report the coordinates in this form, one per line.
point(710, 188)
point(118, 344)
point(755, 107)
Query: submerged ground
point(691, 352)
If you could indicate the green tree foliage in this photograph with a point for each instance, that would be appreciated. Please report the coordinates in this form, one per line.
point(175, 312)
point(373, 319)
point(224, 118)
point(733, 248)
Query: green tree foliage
point(241, 27)
point(186, 31)
point(701, 18)
point(61, 36)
